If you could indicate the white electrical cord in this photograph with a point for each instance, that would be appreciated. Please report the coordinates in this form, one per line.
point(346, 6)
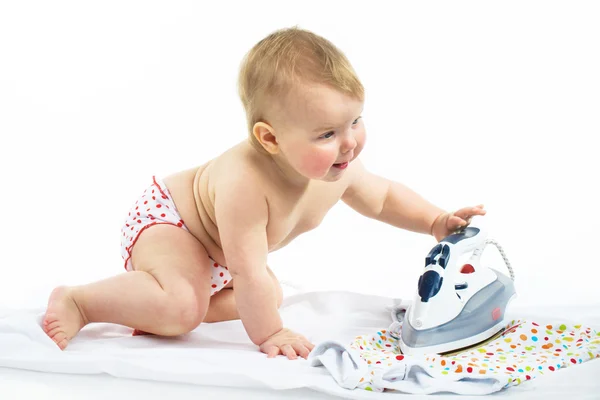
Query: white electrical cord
point(503, 254)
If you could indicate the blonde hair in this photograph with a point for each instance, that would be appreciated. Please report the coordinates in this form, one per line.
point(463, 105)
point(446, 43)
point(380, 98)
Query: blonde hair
point(284, 58)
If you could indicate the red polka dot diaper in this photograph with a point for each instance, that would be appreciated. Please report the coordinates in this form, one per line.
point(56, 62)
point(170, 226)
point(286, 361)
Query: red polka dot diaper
point(154, 207)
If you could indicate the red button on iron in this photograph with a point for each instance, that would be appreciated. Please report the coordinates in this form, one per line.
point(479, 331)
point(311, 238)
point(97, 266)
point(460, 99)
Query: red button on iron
point(467, 269)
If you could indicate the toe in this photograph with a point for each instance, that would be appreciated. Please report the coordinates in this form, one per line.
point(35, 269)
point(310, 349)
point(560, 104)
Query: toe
point(63, 343)
point(51, 326)
point(49, 318)
point(57, 334)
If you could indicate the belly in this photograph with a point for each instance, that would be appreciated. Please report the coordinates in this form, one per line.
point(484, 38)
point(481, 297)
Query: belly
point(194, 215)
point(282, 229)
point(189, 190)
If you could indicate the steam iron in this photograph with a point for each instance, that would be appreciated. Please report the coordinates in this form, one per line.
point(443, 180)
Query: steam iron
point(458, 303)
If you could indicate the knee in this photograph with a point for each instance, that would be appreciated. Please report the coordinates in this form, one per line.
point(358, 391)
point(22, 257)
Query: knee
point(183, 313)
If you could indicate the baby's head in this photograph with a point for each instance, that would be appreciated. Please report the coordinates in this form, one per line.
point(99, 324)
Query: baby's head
point(303, 102)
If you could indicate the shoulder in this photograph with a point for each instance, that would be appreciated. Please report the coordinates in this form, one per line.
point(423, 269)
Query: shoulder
point(235, 178)
point(235, 165)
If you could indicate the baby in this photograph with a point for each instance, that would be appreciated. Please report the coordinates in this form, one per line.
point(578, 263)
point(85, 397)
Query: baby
point(195, 244)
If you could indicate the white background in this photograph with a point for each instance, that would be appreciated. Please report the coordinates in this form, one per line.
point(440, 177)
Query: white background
point(467, 102)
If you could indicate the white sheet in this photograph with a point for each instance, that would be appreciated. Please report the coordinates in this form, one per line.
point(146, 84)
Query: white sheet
point(221, 355)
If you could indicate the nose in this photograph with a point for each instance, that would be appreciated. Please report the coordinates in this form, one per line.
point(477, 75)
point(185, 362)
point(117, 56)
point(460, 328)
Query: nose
point(348, 143)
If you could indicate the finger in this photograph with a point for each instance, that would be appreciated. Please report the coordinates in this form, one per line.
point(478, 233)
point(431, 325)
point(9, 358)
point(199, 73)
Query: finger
point(301, 350)
point(467, 213)
point(305, 342)
point(478, 210)
point(308, 345)
point(456, 222)
point(289, 351)
point(463, 213)
point(272, 351)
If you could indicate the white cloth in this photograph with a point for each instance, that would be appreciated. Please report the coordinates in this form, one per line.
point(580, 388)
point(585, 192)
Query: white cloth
point(221, 355)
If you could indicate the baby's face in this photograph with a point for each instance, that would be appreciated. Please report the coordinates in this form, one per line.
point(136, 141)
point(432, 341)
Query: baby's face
point(320, 131)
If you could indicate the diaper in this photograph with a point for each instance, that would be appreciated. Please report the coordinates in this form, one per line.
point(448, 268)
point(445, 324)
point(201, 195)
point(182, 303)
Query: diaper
point(154, 207)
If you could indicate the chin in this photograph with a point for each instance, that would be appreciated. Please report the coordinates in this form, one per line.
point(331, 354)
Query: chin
point(326, 178)
point(333, 176)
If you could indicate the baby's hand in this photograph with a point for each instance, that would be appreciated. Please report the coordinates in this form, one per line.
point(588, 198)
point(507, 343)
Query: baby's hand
point(447, 223)
point(288, 343)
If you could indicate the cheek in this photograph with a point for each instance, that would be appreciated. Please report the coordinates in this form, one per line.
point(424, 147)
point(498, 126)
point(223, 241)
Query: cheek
point(317, 162)
point(361, 138)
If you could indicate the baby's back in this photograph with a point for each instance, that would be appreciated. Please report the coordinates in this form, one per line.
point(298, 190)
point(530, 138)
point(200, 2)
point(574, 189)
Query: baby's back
point(293, 210)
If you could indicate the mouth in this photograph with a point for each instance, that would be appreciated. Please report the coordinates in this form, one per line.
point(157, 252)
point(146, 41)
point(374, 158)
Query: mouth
point(343, 165)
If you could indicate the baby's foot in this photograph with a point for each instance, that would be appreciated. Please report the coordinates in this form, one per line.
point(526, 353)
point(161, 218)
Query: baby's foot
point(63, 318)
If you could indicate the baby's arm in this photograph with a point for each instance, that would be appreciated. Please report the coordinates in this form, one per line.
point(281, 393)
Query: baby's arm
point(388, 201)
point(242, 214)
point(394, 203)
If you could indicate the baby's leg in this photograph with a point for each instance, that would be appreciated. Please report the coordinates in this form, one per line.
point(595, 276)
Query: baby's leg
point(167, 294)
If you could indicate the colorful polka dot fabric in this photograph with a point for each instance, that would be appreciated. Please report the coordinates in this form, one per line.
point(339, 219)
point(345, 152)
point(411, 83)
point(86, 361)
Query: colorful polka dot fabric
point(523, 352)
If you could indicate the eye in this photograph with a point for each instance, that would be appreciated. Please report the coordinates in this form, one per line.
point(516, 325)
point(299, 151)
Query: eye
point(327, 135)
point(356, 121)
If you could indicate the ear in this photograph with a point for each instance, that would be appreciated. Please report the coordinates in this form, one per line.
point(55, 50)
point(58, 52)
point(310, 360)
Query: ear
point(265, 135)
